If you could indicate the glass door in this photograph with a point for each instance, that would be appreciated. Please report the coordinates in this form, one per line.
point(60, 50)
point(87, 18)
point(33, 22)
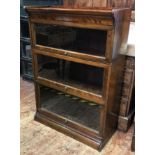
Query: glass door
point(74, 78)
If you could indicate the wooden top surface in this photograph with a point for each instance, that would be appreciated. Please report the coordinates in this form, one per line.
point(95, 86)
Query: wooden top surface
point(95, 11)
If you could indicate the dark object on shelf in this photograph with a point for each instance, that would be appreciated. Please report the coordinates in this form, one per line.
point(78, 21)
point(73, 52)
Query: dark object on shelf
point(78, 79)
point(127, 106)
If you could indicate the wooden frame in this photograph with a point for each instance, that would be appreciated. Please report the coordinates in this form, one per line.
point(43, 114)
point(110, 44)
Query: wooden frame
point(116, 23)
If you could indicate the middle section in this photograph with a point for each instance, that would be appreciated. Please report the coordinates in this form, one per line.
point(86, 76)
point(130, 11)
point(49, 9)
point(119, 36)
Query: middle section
point(72, 77)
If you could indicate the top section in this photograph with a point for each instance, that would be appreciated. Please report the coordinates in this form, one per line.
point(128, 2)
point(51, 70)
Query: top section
point(75, 10)
point(108, 26)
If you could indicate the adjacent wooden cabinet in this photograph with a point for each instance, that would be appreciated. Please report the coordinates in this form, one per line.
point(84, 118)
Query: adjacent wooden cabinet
point(99, 3)
point(78, 69)
point(25, 47)
point(127, 106)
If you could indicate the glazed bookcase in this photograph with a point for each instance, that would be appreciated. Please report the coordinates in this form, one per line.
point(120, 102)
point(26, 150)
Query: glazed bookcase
point(77, 63)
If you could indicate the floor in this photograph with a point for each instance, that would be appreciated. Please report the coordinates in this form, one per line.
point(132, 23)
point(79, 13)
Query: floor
point(38, 139)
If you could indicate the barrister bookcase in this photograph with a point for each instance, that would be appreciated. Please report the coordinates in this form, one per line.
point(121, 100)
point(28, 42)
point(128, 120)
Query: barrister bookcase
point(78, 66)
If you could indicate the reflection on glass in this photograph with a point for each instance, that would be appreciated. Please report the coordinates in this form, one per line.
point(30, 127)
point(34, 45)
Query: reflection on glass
point(71, 73)
point(87, 41)
point(70, 107)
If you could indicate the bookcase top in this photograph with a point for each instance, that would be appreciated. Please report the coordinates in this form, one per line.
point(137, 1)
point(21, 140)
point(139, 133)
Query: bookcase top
point(74, 10)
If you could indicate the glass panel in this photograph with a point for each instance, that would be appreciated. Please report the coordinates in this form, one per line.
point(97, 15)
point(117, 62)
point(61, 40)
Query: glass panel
point(70, 107)
point(87, 41)
point(24, 29)
point(78, 75)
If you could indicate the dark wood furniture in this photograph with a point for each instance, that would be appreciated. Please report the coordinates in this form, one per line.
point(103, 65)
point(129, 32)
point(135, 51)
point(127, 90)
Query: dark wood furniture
point(133, 140)
point(127, 106)
point(25, 49)
point(25, 46)
point(78, 69)
point(99, 3)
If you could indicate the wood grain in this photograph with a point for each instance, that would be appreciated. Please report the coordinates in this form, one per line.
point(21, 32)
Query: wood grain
point(35, 138)
point(127, 106)
point(115, 22)
point(99, 3)
point(85, 3)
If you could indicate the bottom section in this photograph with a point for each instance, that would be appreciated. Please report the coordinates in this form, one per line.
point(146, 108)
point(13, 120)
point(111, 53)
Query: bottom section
point(70, 108)
point(76, 117)
point(96, 143)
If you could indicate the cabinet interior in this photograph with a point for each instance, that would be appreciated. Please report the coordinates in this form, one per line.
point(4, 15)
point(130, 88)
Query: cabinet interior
point(70, 107)
point(87, 41)
point(81, 76)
